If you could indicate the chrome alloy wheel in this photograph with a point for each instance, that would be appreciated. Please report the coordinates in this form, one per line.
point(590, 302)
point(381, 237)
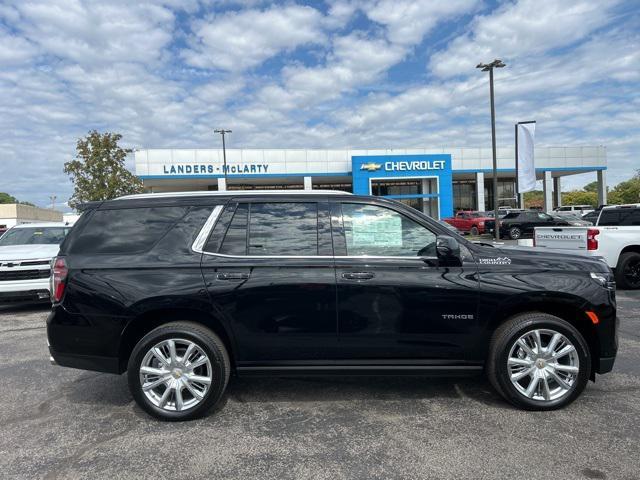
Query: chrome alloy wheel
point(175, 374)
point(543, 365)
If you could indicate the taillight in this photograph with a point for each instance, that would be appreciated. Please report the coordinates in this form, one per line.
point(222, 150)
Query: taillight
point(58, 278)
point(592, 241)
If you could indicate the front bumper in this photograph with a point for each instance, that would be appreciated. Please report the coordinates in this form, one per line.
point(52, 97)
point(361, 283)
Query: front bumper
point(24, 290)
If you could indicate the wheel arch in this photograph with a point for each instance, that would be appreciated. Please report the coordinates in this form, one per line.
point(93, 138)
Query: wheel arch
point(564, 308)
point(139, 326)
point(629, 248)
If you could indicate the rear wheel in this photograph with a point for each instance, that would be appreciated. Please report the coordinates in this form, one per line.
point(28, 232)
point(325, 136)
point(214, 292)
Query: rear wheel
point(538, 362)
point(628, 271)
point(178, 371)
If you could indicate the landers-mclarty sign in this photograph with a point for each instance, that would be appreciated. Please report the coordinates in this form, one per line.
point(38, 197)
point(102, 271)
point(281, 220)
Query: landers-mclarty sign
point(209, 169)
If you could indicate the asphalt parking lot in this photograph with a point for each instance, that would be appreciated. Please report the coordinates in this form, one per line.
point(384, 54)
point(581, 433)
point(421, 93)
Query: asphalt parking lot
point(64, 423)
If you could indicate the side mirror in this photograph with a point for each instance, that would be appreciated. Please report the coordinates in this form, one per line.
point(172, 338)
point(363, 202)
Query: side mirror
point(448, 250)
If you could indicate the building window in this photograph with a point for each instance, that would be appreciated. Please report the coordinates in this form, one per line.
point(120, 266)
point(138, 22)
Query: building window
point(506, 194)
point(464, 195)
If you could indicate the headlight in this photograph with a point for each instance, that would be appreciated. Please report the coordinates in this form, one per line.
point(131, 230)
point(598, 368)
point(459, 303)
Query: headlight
point(481, 224)
point(603, 279)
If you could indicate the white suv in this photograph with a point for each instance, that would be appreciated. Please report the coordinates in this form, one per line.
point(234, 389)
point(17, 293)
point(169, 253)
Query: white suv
point(26, 252)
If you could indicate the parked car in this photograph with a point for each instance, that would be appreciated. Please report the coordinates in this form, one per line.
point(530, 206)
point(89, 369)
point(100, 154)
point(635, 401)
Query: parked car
point(577, 209)
point(593, 215)
point(181, 290)
point(517, 225)
point(616, 238)
point(469, 222)
point(573, 220)
point(26, 252)
point(449, 226)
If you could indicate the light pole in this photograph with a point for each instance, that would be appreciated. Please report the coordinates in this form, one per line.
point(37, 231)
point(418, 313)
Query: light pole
point(488, 67)
point(224, 153)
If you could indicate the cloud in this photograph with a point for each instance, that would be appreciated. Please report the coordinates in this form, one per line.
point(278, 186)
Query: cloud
point(407, 21)
point(236, 41)
point(519, 29)
point(96, 33)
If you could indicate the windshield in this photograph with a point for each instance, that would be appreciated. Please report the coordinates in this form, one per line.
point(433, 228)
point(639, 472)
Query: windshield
point(34, 236)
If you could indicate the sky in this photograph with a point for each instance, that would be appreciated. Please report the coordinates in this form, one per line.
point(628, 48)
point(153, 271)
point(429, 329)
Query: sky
point(320, 74)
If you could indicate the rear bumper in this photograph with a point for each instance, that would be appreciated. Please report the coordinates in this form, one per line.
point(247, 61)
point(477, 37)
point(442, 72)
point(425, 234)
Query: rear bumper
point(85, 362)
point(85, 342)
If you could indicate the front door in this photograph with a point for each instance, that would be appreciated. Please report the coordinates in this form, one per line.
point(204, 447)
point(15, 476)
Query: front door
point(269, 270)
point(394, 301)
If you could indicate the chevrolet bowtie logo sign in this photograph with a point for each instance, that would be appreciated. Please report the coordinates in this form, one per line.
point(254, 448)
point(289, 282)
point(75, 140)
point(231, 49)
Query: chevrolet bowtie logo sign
point(371, 166)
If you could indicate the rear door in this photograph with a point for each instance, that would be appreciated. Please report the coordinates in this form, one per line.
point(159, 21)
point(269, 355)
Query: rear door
point(395, 303)
point(268, 267)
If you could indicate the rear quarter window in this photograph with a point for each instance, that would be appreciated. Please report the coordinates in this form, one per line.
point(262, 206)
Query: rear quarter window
point(126, 230)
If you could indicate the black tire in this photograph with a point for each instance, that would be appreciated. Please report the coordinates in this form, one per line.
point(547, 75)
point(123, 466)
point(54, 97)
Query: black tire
point(506, 336)
point(205, 339)
point(474, 231)
point(515, 233)
point(628, 271)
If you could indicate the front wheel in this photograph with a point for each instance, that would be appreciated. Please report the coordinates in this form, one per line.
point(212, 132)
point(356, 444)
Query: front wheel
point(538, 362)
point(515, 233)
point(178, 371)
point(474, 231)
point(628, 271)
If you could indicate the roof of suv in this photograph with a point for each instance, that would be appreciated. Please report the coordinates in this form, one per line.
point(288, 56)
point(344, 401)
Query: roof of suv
point(41, 225)
point(628, 205)
point(202, 193)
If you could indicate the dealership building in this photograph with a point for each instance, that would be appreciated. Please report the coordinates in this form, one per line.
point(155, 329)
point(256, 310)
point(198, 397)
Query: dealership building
point(435, 181)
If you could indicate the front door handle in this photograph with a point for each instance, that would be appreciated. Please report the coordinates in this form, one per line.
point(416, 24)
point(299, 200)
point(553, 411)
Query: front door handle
point(358, 275)
point(232, 276)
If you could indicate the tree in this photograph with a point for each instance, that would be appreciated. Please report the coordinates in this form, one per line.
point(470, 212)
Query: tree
point(6, 198)
point(591, 187)
point(98, 171)
point(534, 198)
point(626, 192)
point(580, 197)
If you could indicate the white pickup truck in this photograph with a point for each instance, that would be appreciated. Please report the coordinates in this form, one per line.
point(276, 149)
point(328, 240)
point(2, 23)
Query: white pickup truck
point(615, 237)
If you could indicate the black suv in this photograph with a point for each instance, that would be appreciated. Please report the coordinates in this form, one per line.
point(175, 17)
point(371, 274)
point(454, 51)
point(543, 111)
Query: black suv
point(516, 225)
point(183, 290)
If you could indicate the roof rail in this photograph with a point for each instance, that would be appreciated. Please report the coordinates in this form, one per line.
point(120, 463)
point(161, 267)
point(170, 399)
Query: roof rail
point(204, 193)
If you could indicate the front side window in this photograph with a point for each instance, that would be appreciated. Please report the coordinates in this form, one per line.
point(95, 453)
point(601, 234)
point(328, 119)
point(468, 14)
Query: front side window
point(377, 231)
point(277, 229)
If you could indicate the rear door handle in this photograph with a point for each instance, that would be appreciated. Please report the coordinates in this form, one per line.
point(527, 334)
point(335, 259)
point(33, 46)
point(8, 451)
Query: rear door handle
point(232, 276)
point(358, 275)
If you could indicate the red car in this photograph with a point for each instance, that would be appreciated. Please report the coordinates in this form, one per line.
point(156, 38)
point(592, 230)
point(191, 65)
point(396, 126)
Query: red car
point(469, 222)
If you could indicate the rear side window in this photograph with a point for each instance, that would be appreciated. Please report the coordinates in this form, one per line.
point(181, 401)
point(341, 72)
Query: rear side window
point(125, 231)
point(624, 217)
point(609, 218)
point(630, 217)
point(235, 241)
point(283, 229)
